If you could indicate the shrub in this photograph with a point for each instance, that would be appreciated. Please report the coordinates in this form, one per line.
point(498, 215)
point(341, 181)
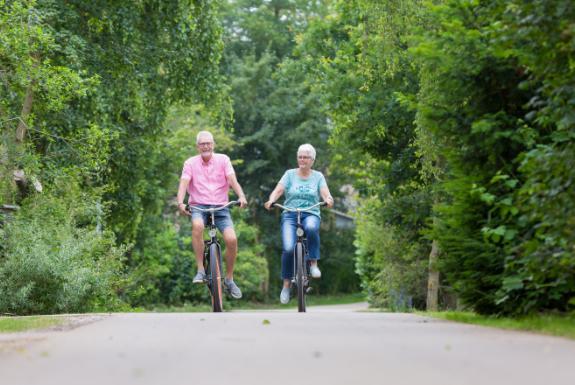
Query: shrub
point(56, 260)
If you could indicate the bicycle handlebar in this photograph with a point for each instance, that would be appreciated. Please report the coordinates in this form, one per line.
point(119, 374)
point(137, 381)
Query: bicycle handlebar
point(212, 209)
point(300, 209)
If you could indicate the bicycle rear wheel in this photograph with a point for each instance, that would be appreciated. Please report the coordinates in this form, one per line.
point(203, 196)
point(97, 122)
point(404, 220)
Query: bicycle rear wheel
point(300, 277)
point(216, 278)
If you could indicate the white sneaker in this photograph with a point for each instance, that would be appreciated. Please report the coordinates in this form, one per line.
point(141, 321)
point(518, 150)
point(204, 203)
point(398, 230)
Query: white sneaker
point(284, 295)
point(314, 271)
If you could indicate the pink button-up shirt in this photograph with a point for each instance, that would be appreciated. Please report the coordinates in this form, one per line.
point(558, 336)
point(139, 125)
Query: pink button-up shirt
point(208, 181)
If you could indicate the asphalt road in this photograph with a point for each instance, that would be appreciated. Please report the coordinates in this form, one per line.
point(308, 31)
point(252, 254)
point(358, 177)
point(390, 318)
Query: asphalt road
point(328, 345)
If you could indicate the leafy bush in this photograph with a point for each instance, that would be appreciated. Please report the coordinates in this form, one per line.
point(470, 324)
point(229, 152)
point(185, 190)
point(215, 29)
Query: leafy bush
point(540, 269)
point(392, 273)
point(56, 260)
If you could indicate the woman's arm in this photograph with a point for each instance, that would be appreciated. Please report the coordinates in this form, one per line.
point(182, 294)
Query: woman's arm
point(326, 196)
point(278, 192)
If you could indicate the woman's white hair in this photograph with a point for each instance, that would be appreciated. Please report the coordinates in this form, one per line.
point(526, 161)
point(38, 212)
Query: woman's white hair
point(204, 133)
point(307, 148)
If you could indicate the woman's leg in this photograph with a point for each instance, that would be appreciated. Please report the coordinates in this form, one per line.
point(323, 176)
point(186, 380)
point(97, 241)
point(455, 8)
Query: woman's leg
point(311, 227)
point(288, 227)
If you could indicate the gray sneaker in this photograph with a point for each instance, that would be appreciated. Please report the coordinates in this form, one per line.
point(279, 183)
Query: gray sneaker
point(200, 277)
point(284, 295)
point(232, 288)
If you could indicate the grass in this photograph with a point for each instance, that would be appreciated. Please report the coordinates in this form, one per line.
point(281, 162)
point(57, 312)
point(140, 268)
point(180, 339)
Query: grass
point(561, 325)
point(230, 304)
point(18, 324)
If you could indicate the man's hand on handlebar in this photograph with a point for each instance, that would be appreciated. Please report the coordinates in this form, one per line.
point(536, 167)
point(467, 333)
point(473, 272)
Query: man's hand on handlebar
point(243, 202)
point(182, 209)
point(268, 205)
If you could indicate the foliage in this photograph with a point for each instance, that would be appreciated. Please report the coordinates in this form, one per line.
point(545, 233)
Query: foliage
point(554, 324)
point(364, 74)
point(18, 324)
point(466, 104)
point(91, 84)
point(393, 275)
point(162, 263)
point(275, 110)
point(492, 105)
point(56, 259)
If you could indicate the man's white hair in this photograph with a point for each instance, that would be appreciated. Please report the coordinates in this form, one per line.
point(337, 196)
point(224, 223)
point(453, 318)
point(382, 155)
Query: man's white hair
point(204, 133)
point(307, 148)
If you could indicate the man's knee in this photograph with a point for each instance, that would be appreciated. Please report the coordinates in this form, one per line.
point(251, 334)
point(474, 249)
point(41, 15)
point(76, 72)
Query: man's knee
point(230, 237)
point(197, 228)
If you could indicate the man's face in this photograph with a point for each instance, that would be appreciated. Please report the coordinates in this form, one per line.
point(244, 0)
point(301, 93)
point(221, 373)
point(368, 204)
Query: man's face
point(205, 146)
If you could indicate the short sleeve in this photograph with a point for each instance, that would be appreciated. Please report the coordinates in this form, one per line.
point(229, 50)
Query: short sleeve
point(285, 180)
point(321, 182)
point(187, 170)
point(228, 166)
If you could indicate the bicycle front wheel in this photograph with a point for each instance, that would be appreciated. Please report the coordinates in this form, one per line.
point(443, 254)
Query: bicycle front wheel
point(300, 277)
point(216, 278)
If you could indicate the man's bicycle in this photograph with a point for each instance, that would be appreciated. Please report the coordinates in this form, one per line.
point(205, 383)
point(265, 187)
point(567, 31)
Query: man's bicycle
point(213, 256)
point(300, 256)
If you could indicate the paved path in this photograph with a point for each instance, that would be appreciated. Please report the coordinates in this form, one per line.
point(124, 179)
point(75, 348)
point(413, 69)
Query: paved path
point(328, 345)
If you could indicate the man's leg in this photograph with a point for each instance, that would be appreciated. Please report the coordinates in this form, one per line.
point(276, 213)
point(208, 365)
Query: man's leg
point(198, 242)
point(231, 242)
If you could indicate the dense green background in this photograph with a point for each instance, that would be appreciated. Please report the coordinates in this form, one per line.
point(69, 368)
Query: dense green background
point(449, 121)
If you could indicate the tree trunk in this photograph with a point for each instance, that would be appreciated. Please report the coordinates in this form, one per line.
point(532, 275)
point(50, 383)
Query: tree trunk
point(433, 279)
point(27, 105)
point(26, 109)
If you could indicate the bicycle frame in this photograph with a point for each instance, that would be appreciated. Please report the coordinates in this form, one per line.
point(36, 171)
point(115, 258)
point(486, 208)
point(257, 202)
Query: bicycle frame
point(213, 256)
point(300, 260)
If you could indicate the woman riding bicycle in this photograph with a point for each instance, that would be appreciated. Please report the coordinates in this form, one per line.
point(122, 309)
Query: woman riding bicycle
point(302, 187)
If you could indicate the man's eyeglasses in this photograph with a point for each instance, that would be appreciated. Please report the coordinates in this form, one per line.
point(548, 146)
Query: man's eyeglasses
point(205, 144)
point(303, 157)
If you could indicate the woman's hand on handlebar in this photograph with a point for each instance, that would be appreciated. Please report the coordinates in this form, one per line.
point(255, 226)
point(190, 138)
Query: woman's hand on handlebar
point(329, 201)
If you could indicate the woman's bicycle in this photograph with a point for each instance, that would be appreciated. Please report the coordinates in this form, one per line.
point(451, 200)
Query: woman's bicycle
point(213, 256)
point(300, 256)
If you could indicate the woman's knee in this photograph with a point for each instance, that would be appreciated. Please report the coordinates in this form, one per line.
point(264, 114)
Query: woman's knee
point(312, 228)
point(311, 223)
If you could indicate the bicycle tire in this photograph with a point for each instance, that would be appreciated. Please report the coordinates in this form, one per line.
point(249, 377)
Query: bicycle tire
point(300, 277)
point(216, 278)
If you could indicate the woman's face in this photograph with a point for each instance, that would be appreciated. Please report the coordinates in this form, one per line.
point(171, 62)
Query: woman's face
point(304, 160)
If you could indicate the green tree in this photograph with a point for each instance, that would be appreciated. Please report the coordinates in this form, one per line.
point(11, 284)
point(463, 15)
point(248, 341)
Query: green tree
point(490, 101)
point(275, 110)
point(84, 92)
point(366, 77)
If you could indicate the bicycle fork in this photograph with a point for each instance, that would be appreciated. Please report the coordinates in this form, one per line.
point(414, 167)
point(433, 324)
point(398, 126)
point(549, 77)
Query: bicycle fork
point(301, 239)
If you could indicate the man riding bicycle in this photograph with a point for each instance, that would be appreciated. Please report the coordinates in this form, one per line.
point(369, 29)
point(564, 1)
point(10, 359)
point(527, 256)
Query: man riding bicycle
point(207, 178)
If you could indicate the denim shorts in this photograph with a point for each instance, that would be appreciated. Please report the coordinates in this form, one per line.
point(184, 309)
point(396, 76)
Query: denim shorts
point(222, 217)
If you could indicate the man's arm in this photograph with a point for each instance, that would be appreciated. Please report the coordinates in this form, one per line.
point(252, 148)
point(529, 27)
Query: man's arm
point(184, 182)
point(235, 185)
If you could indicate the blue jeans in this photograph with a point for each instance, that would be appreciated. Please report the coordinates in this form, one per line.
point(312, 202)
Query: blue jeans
point(310, 224)
point(222, 217)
